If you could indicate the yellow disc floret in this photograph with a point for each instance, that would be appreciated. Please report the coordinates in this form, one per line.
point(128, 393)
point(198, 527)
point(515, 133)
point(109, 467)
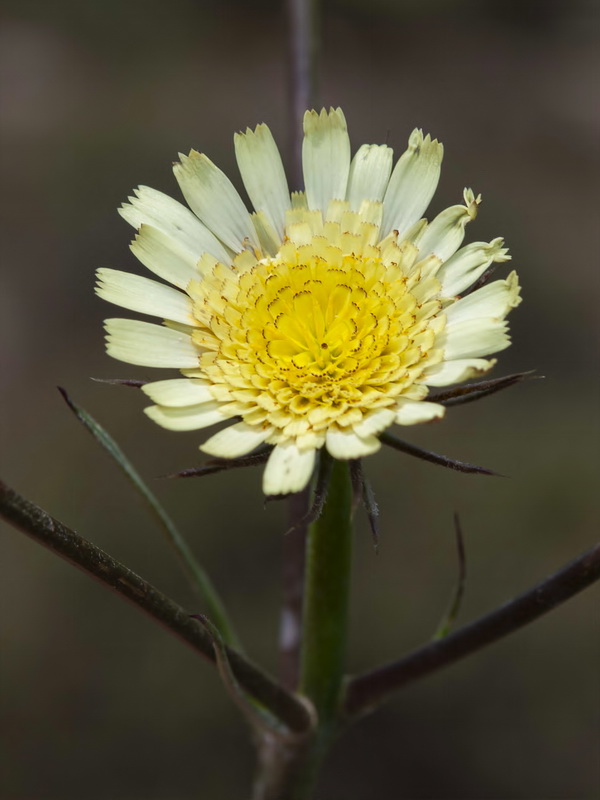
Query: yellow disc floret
point(324, 333)
point(318, 319)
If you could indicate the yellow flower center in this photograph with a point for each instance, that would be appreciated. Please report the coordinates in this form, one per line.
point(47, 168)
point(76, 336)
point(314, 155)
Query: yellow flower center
point(313, 336)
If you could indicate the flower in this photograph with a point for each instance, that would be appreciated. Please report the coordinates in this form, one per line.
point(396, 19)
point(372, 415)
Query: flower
point(318, 320)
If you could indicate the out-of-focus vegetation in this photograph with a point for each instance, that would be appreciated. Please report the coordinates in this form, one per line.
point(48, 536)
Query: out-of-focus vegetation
point(100, 96)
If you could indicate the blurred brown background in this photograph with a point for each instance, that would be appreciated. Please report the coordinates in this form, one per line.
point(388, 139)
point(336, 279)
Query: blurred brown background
point(97, 703)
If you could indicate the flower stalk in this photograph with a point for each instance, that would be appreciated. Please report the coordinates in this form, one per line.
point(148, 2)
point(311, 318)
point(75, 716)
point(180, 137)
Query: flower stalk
point(325, 620)
point(327, 584)
point(288, 769)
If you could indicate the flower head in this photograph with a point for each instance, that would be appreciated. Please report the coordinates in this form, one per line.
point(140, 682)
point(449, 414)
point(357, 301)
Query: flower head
point(318, 320)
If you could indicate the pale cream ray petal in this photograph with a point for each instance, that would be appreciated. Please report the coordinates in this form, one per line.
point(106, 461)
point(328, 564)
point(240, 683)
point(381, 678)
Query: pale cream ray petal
point(149, 345)
point(164, 256)
point(299, 201)
point(235, 441)
point(444, 235)
point(195, 372)
point(263, 174)
point(369, 174)
point(269, 239)
point(188, 330)
point(288, 469)
point(414, 234)
point(346, 445)
point(178, 392)
point(325, 157)
point(335, 210)
point(311, 440)
point(412, 184)
point(457, 371)
point(374, 422)
point(412, 412)
point(211, 195)
point(188, 418)
point(494, 301)
point(371, 213)
point(150, 207)
point(467, 264)
point(144, 295)
point(300, 234)
point(473, 338)
point(302, 216)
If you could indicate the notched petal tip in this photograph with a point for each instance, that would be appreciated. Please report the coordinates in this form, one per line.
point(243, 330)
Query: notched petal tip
point(425, 145)
point(472, 202)
point(514, 290)
point(497, 251)
point(321, 120)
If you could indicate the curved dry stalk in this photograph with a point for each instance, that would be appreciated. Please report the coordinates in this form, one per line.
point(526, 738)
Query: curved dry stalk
point(67, 544)
point(366, 692)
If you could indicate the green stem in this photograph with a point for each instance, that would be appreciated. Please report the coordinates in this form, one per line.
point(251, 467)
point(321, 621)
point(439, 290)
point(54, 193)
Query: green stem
point(327, 582)
point(288, 770)
point(326, 593)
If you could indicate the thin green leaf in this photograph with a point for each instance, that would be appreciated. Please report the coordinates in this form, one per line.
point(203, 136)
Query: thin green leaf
point(255, 712)
point(449, 618)
point(198, 577)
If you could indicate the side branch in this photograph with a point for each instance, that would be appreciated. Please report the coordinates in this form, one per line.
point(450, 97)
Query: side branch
point(67, 544)
point(366, 692)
